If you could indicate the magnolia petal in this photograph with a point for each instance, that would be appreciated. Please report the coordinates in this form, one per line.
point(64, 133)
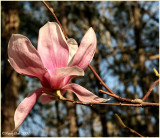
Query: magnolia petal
point(85, 51)
point(62, 76)
point(45, 98)
point(83, 94)
point(73, 47)
point(25, 106)
point(45, 81)
point(24, 58)
point(52, 47)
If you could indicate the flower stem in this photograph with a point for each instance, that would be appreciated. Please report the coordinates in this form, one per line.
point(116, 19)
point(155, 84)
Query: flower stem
point(59, 95)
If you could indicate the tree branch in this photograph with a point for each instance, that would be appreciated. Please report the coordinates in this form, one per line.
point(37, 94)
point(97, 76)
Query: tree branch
point(154, 57)
point(150, 90)
point(143, 104)
point(101, 81)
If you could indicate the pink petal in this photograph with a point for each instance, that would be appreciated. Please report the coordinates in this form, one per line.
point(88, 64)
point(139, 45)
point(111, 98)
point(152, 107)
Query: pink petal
point(24, 58)
point(86, 50)
point(83, 94)
point(25, 106)
point(52, 47)
point(62, 76)
point(45, 81)
point(73, 47)
point(45, 98)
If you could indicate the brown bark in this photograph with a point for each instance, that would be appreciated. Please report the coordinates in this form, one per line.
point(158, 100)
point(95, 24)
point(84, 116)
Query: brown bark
point(72, 117)
point(145, 80)
point(58, 120)
point(10, 80)
point(102, 111)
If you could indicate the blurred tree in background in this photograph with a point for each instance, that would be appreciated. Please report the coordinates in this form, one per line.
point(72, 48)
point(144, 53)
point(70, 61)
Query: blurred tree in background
point(127, 41)
point(10, 79)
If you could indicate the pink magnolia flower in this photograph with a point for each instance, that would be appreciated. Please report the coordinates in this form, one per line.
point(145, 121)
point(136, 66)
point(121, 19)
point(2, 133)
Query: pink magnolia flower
point(55, 62)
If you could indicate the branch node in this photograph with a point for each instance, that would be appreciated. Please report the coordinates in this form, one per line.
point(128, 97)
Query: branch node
point(138, 101)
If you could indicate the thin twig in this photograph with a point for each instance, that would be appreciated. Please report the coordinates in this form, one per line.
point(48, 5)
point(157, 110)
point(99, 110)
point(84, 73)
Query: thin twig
point(134, 101)
point(99, 78)
point(121, 123)
point(154, 57)
point(117, 97)
point(110, 94)
point(150, 90)
point(55, 18)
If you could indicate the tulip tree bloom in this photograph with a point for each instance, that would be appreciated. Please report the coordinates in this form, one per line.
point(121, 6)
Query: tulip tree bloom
point(54, 63)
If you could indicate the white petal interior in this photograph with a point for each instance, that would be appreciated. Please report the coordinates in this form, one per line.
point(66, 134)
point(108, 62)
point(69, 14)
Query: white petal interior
point(73, 47)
